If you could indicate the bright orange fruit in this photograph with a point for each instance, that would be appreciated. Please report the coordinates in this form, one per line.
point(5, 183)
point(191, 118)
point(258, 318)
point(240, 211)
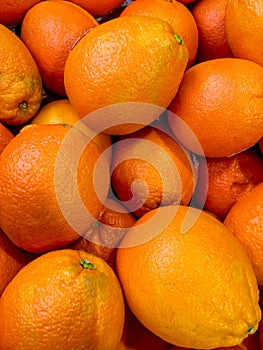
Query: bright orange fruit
point(188, 279)
point(64, 299)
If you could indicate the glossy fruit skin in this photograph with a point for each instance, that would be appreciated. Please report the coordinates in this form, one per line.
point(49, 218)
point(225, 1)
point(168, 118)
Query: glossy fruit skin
point(112, 58)
point(225, 180)
point(173, 12)
point(209, 16)
point(13, 12)
point(163, 170)
point(36, 183)
point(245, 220)
point(243, 27)
point(21, 87)
point(180, 277)
point(50, 30)
point(220, 97)
point(56, 302)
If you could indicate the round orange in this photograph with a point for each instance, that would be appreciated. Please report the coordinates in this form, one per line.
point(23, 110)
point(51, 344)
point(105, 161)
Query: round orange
point(173, 12)
point(50, 30)
point(188, 279)
point(64, 299)
point(98, 8)
point(150, 169)
point(209, 16)
point(225, 180)
point(104, 237)
point(12, 259)
point(112, 80)
point(137, 337)
point(38, 190)
point(245, 220)
point(219, 101)
point(5, 136)
point(13, 12)
point(20, 86)
point(243, 28)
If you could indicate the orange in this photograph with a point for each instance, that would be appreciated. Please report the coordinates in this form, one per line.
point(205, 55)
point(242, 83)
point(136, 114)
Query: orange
point(219, 101)
point(210, 16)
point(5, 136)
point(188, 279)
point(243, 27)
point(20, 85)
point(64, 299)
point(229, 178)
point(111, 65)
point(245, 220)
point(150, 169)
point(12, 259)
point(98, 8)
point(13, 12)
point(50, 30)
point(173, 12)
point(137, 337)
point(61, 111)
point(37, 187)
point(250, 343)
point(104, 237)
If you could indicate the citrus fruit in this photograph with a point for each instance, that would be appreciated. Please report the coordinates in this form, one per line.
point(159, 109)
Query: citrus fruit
point(62, 112)
point(5, 136)
point(98, 8)
point(188, 279)
point(12, 259)
point(64, 299)
point(209, 16)
point(150, 169)
point(37, 188)
point(20, 85)
point(219, 101)
point(173, 12)
point(104, 237)
point(229, 178)
point(137, 337)
point(111, 65)
point(243, 27)
point(12, 13)
point(245, 220)
point(50, 30)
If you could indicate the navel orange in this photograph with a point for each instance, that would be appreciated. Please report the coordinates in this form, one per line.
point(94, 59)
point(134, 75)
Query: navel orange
point(245, 220)
point(109, 81)
point(219, 101)
point(50, 30)
point(188, 279)
point(20, 85)
point(64, 299)
point(52, 183)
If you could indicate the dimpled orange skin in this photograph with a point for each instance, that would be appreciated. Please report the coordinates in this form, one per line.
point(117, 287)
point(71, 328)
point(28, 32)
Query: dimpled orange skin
point(194, 289)
point(50, 30)
point(245, 220)
point(13, 12)
point(173, 12)
point(222, 98)
point(112, 65)
point(20, 84)
point(56, 303)
point(243, 27)
point(29, 192)
point(162, 167)
point(229, 178)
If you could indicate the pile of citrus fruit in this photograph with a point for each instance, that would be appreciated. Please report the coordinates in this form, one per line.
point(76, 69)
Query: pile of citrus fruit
point(131, 174)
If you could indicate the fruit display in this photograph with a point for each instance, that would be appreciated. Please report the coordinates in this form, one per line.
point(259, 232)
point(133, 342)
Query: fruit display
point(131, 175)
